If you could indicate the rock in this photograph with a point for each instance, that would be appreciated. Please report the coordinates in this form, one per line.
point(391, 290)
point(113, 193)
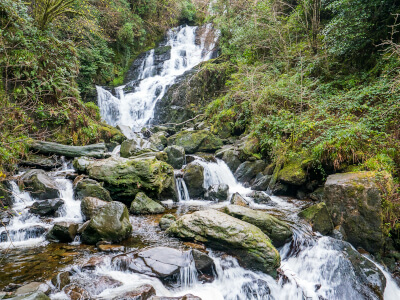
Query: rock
point(91, 188)
point(237, 199)
point(83, 226)
point(260, 197)
point(319, 218)
point(142, 292)
point(166, 221)
point(6, 196)
point(124, 178)
point(46, 207)
point(81, 163)
point(75, 292)
point(61, 280)
point(98, 284)
point(176, 156)
point(186, 297)
point(256, 289)
point(262, 183)
point(63, 232)
point(293, 173)
point(32, 296)
point(34, 231)
point(159, 140)
point(135, 146)
point(251, 246)
point(194, 179)
point(93, 262)
point(96, 150)
point(126, 131)
point(278, 231)
point(111, 248)
point(90, 206)
point(196, 141)
point(144, 205)
point(111, 223)
point(231, 157)
point(203, 262)
point(317, 195)
point(40, 185)
point(249, 145)
point(219, 192)
point(248, 170)
point(41, 162)
point(353, 201)
point(32, 288)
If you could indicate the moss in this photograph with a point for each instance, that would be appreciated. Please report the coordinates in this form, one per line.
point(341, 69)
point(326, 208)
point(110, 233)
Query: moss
point(319, 218)
point(293, 173)
point(162, 50)
point(196, 141)
point(111, 134)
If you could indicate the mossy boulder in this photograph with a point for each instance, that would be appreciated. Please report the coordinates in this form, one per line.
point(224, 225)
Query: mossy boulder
point(90, 206)
point(249, 170)
point(249, 146)
point(111, 223)
point(261, 183)
point(64, 232)
point(278, 231)
point(176, 156)
point(166, 221)
point(136, 146)
point(218, 192)
point(159, 140)
point(196, 141)
point(319, 218)
point(124, 178)
point(218, 230)
point(144, 205)
point(91, 188)
point(111, 134)
point(293, 173)
point(40, 185)
point(194, 179)
point(354, 201)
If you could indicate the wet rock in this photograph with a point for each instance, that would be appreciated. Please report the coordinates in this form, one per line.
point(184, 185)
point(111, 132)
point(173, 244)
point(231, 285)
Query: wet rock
point(221, 231)
point(40, 185)
point(82, 227)
point(262, 183)
point(96, 150)
point(6, 198)
point(42, 162)
point(319, 218)
point(144, 205)
point(61, 280)
point(203, 262)
point(219, 192)
point(32, 288)
point(142, 292)
point(93, 262)
point(81, 163)
point(111, 223)
point(260, 197)
point(176, 156)
point(76, 292)
point(317, 195)
point(98, 284)
point(111, 248)
point(237, 199)
point(196, 141)
point(91, 188)
point(186, 297)
point(166, 221)
point(124, 178)
point(249, 169)
point(63, 232)
point(134, 146)
point(32, 296)
point(126, 131)
point(46, 207)
point(256, 289)
point(28, 233)
point(194, 179)
point(278, 231)
point(90, 205)
point(354, 201)
point(231, 157)
point(159, 140)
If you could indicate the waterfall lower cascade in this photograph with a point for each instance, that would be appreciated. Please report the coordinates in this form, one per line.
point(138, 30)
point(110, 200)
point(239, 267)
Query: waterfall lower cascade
point(135, 102)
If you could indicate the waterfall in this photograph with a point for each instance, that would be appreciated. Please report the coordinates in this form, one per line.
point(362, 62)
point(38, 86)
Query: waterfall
point(158, 70)
point(182, 190)
point(188, 273)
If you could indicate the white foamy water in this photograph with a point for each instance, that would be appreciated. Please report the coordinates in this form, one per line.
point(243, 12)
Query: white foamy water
point(136, 108)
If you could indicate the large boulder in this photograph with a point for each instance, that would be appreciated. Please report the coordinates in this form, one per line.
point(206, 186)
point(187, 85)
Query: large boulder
point(231, 157)
point(90, 206)
point(159, 140)
point(249, 169)
point(124, 178)
point(354, 201)
point(111, 223)
point(40, 185)
point(63, 232)
point(319, 218)
point(219, 192)
point(196, 141)
point(278, 231)
point(293, 173)
point(144, 205)
point(91, 188)
point(261, 183)
point(135, 146)
point(194, 179)
point(46, 207)
point(176, 156)
point(252, 247)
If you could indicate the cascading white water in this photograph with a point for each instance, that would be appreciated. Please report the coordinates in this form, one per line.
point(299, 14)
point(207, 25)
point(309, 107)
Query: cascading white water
point(136, 108)
point(71, 210)
point(182, 190)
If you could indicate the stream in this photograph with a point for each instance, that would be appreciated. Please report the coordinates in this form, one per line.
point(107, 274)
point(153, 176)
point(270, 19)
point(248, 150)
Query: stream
point(313, 266)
